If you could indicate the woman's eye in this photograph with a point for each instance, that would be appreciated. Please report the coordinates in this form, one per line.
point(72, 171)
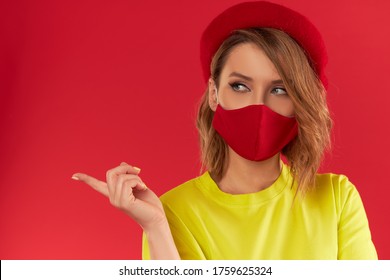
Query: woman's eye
point(279, 91)
point(239, 87)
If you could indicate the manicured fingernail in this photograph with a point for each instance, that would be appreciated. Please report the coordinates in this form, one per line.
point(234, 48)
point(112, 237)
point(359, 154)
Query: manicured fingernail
point(145, 187)
point(137, 168)
point(74, 177)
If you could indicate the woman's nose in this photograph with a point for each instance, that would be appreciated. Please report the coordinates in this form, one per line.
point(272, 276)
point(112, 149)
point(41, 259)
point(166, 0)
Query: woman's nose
point(259, 98)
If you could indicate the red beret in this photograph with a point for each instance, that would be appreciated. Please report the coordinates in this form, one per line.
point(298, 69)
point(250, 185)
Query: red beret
point(264, 14)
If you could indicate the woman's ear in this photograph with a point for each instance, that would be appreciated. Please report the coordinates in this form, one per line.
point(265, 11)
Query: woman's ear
point(213, 99)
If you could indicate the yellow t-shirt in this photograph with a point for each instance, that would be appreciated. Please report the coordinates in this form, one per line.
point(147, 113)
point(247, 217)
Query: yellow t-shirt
point(328, 223)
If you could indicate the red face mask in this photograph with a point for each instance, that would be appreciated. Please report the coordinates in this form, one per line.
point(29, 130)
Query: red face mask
point(255, 132)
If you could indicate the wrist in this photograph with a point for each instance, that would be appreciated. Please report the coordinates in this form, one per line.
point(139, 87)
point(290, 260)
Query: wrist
point(157, 227)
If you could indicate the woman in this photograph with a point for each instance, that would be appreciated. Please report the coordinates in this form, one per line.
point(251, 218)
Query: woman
point(264, 65)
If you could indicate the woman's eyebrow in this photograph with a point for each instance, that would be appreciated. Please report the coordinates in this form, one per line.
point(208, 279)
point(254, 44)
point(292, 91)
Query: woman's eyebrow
point(277, 82)
point(242, 76)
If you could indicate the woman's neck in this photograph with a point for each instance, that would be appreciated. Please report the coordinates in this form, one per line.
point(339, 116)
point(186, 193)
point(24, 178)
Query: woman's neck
point(244, 176)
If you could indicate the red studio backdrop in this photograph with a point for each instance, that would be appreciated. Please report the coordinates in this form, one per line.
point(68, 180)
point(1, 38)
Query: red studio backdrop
point(85, 85)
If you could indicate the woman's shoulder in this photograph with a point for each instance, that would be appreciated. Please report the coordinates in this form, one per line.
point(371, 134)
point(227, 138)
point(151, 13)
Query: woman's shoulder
point(334, 181)
point(337, 187)
point(184, 192)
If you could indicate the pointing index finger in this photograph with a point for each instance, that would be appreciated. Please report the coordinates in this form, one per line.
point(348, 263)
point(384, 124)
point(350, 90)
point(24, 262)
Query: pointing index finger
point(96, 184)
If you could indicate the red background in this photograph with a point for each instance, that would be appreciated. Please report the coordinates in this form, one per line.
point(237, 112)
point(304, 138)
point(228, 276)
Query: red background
point(87, 84)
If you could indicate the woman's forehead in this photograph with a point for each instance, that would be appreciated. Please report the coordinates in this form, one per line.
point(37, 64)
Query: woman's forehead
point(251, 61)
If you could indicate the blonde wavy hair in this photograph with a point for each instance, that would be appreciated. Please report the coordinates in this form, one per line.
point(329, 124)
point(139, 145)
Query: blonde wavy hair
point(306, 151)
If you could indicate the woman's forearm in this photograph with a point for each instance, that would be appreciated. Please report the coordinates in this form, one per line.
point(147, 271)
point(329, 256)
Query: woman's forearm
point(161, 244)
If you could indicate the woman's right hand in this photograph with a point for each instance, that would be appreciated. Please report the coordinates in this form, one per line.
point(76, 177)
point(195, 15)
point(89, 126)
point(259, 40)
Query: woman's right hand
point(127, 192)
